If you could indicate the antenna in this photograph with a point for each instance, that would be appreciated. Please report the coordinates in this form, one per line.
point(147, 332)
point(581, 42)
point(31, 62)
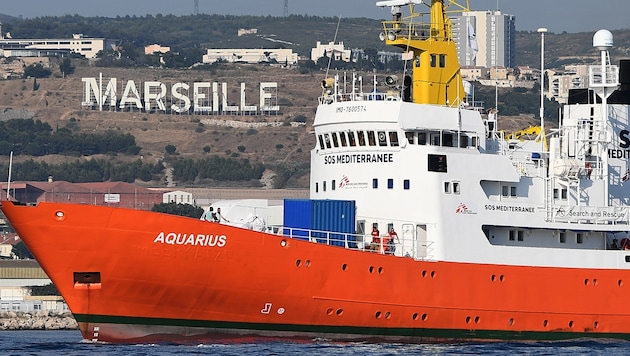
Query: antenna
point(286, 8)
point(9, 179)
point(196, 11)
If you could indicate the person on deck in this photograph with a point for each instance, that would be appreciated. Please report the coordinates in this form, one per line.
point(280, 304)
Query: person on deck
point(376, 239)
point(220, 217)
point(391, 242)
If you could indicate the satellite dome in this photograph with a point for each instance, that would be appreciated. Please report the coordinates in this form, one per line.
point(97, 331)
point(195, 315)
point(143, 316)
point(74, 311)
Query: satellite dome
point(603, 40)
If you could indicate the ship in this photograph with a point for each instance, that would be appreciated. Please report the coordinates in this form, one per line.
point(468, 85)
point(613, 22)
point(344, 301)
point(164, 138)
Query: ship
point(424, 222)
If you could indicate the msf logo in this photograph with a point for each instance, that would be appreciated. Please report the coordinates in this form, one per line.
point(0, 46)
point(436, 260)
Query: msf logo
point(344, 181)
point(463, 209)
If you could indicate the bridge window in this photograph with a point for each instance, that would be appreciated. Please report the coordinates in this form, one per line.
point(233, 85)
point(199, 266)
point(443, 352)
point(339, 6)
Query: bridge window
point(564, 193)
point(442, 60)
point(562, 237)
point(433, 60)
point(321, 142)
point(456, 187)
point(390, 183)
point(371, 138)
point(511, 235)
point(334, 138)
point(579, 238)
point(324, 186)
point(519, 235)
point(333, 184)
point(316, 187)
point(422, 138)
point(327, 139)
point(361, 138)
point(375, 183)
point(351, 139)
point(410, 137)
point(447, 187)
point(342, 138)
point(406, 184)
point(393, 138)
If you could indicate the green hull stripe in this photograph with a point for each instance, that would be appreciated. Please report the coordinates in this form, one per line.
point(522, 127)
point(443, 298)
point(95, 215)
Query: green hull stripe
point(353, 330)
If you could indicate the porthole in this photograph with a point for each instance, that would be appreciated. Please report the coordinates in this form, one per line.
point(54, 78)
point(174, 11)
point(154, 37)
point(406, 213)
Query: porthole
point(424, 274)
point(377, 315)
point(476, 320)
point(511, 322)
point(432, 274)
point(283, 243)
point(571, 324)
point(344, 267)
point(298, 263)
point(468, 320)
point(339, 312)
point(388, 315)
point(424, 317)
point(501, 278)
point(329, 311)
point(414, 316)
point(620, 283)
point(380, 270)
point(545, 323)
point(307, 263)
point(492, 277)
point(586, 282)
point(60, 215)
point(371, 269)
point(595, 325)
point(594, 282)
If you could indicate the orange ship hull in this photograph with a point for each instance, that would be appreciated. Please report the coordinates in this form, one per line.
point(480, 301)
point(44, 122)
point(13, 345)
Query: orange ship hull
point(132, 276)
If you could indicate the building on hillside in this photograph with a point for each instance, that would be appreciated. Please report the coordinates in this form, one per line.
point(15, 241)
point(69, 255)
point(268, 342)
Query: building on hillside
point(85, 46)
point(492, 33)
point(560, 82)
point(245, 31)
point(156, 48)
point(331, 50)
point(474, 73)
point(251, 56)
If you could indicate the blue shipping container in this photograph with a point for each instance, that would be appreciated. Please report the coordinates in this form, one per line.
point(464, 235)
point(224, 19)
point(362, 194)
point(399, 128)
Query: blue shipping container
point(323, 216)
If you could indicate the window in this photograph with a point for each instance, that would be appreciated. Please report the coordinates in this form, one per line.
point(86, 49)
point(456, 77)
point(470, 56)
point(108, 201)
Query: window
point(474, 141)
point(447, 139)
point(324, 186)
point(579, 238)
point(437, 163)
point(406, 184)
point(433, 60)
point(564, 193)
point(351, 139)
point(361, 138)
point(519, 235)
point(333, 184)
point(511, 235)
point(374, 183)
point(390, 183)
point(382, 139)
point(456, 187)
point(512, 191)
point(410, 137)
point(563, 237)
point(447, 187)
point(334, 138)
point(422, 138)
point(505, 191)
point(417, 61)
point(555, 193)
point(327, 140)
point(393, 138)
point(316, 187)
point(342, 137)
point(371, 138)
point(321, 142)
point(37, 307)
point(463, 141)
point(442, 60)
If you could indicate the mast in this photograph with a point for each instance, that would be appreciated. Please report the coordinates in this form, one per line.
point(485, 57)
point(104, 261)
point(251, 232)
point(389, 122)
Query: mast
point(436, 77)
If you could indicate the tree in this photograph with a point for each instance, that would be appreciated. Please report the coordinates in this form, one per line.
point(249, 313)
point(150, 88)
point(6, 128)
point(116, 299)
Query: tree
point(170, 149)
point(21, 251)
point(36, 70)
point(66, 67)
point(178, 209)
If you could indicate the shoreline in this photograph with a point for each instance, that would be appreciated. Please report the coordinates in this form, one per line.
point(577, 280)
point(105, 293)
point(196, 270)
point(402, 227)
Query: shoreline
point(41, 320)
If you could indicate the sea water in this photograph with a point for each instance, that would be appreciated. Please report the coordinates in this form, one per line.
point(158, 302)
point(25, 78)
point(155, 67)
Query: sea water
point(69, 343)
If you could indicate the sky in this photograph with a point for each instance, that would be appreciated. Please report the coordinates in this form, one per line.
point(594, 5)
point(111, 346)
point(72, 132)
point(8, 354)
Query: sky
point(556, 15)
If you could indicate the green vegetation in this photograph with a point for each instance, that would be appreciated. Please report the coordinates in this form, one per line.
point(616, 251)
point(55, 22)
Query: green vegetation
point(216, 168)
point(178, 209)
point(94, 170)
point(36, 138)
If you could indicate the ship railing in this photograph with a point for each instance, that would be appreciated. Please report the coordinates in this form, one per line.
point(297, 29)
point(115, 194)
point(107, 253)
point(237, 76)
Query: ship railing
point(414, 31)
point(329, 98)
point(383, 244)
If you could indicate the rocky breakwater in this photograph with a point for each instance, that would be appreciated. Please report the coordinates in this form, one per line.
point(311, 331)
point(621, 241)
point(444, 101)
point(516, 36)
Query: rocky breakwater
point(41, 320)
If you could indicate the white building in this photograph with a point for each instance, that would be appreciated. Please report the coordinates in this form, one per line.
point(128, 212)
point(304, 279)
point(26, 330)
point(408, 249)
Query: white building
point(336, 51)
point(560, 82)
point(85, 46)
point(251, 56)
point(494, 34)
point(178, 196)
point(156, 48)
